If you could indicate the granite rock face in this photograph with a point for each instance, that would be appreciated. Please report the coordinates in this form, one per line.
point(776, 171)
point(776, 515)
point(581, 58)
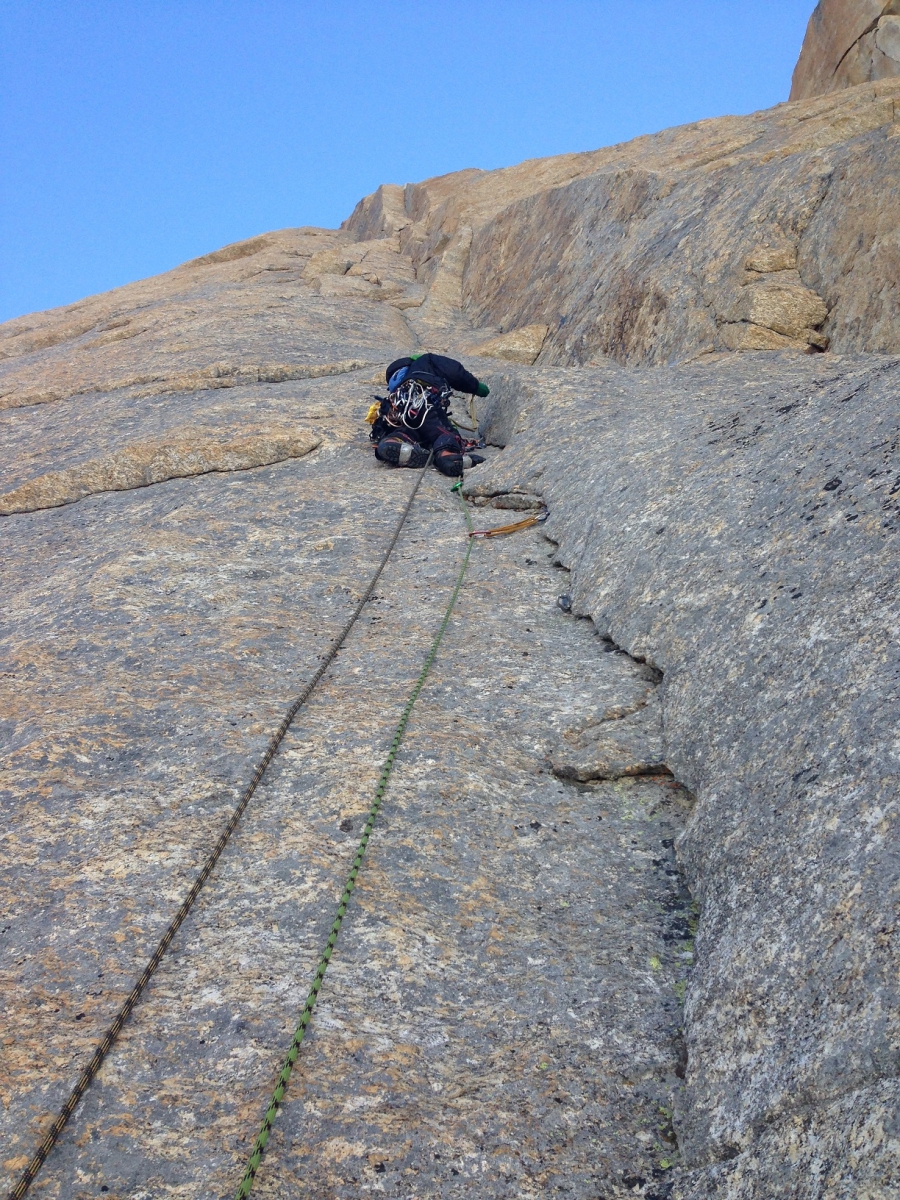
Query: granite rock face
point(848, 42)
point(628, 927)
point(522, 345)
point(184, 453)
point(772, 231)
point(225, 320)
point(735, 525)
point(504, 1011)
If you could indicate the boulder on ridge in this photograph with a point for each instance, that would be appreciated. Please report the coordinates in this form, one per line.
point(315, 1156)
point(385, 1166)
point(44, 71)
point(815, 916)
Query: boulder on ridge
point(848, 42)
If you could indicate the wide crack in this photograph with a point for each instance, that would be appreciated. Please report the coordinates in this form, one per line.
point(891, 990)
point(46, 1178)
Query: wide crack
point(621, 752)
point(621, 759)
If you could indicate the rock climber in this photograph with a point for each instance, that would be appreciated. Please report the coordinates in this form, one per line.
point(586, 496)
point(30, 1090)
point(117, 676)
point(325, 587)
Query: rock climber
point(414, 418)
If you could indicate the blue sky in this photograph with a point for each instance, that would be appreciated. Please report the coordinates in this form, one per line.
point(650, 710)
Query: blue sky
point(135, 136)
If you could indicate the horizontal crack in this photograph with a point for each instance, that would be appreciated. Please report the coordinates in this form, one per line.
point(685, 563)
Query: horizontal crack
point(219, 375)
point(184, 453)
point(627, 741)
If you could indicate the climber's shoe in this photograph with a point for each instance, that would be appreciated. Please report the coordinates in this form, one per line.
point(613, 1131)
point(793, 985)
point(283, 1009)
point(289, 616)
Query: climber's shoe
point(400, 453)
point(451, 463)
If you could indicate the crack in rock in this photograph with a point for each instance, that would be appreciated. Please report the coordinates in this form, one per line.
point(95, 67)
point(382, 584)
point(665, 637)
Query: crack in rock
point(218, 375)
point(616, 746)
point(183, 453)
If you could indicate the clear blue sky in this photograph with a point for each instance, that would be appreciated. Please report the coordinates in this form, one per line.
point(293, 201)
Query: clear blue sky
point(138, 135)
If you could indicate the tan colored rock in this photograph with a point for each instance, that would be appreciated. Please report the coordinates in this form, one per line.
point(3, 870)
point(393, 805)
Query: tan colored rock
point(185, 452)
point(216, 325)
point(386, 265)
point(278, 257)
point(785, 308)
point(517, 502)
point(334, 261)
point(218, 375)
point(790, 276)
point(771, 258)
point(374, 270)
point(775, 312)
point(848, 42)
point(340, 286)
point(443, 274)
point(639, 253)
point(742, 335)
point(383, 212)
point(236, 250)
point(519, 345)
point(412, 296)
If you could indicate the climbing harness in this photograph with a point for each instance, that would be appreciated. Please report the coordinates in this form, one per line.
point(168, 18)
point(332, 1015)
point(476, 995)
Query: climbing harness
point(536, 519)
point(109, 1038)
point(278, 1095)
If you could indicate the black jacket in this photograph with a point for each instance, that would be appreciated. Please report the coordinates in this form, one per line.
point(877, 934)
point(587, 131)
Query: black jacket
point(436, 369)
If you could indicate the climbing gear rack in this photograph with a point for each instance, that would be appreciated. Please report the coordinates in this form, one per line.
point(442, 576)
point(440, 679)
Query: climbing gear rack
point(412, 402)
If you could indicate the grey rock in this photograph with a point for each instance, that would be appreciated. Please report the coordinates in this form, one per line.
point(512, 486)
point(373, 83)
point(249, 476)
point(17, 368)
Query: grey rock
point(887, 38)
point(744, 542)
point(816, 1152)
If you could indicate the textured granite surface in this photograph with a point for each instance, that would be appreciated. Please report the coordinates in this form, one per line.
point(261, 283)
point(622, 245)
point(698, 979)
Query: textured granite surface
point(762, 232)
point(735, 524)
point(706, 736)
point(504, 1012)
point(847, 42)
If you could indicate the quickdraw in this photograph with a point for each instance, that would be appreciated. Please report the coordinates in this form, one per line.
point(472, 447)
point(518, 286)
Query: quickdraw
point(527, 523)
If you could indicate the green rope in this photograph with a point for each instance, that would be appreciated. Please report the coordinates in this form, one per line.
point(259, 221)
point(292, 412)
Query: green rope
point(89, 1072)
point(306, 1016)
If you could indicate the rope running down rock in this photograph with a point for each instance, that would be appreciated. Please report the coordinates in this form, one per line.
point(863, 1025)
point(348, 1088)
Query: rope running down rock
point(262, 1138)
point(109, 1038)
